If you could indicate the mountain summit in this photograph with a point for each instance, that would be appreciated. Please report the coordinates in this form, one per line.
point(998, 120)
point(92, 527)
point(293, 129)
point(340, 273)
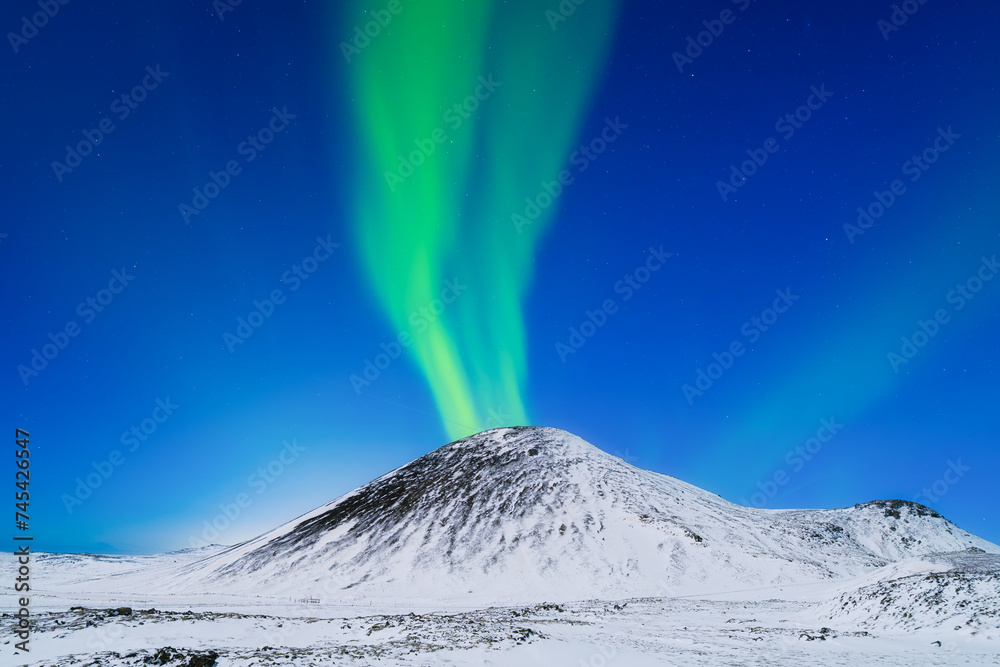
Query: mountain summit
point(530, 513)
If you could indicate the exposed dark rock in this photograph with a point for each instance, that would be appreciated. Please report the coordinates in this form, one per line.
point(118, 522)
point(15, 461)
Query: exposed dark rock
point(163, 656)
point(203, 660)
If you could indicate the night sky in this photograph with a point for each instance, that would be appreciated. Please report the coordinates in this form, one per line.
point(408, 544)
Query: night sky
point(759, 259)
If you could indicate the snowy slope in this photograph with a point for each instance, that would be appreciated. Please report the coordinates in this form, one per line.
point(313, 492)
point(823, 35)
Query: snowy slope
point(79, 569)
point(957, 592)
point(531, 514)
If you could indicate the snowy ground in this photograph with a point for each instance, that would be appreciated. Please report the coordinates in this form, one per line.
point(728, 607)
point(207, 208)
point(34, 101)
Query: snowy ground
point(790, 625)
point(631, 634)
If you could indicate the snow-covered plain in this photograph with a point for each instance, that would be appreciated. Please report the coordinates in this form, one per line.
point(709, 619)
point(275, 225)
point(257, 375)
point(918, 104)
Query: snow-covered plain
point(526, 546)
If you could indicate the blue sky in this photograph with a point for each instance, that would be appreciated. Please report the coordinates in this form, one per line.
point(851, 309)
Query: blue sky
point(818, 108)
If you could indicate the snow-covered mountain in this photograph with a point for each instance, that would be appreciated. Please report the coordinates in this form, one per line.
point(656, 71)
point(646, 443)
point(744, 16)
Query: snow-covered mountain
point(533, 514)
point(529, 546)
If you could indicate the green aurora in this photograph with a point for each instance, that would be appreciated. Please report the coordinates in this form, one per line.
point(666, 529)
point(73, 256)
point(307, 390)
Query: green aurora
point(466, 109)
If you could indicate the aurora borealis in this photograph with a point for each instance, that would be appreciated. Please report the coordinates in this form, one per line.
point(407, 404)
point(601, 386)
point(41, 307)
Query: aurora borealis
point(472, 214)
point(466, 109)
